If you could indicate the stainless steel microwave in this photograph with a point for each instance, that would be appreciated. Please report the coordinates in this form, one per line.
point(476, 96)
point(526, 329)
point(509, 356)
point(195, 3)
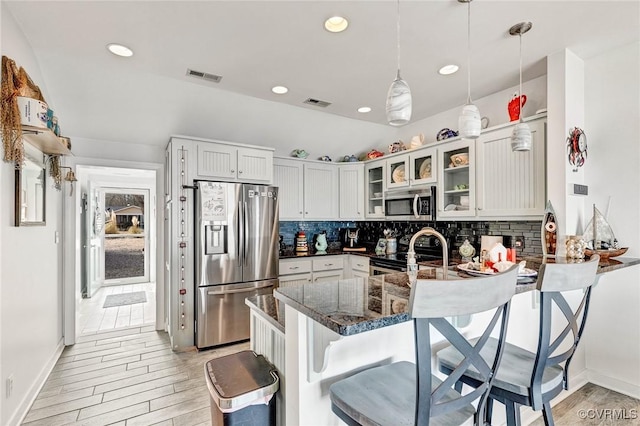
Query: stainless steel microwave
point(417, 204)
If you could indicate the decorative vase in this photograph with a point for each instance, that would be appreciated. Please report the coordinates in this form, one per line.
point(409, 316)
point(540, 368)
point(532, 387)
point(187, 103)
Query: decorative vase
point(514, 106)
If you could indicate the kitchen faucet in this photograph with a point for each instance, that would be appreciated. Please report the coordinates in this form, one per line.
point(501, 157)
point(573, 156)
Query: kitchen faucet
point(412, 266)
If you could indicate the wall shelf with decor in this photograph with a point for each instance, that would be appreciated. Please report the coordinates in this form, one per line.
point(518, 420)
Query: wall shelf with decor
point(45, 140)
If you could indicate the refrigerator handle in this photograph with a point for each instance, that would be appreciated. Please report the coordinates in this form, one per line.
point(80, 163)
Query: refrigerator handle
point(240, 229)
point(245, 234)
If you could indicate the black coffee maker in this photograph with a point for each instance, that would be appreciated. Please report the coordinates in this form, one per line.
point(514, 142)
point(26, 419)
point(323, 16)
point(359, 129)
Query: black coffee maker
point(351, 239)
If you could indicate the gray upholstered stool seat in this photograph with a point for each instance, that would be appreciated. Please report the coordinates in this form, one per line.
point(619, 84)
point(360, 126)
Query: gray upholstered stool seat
point(516, 367)
point(397, 405)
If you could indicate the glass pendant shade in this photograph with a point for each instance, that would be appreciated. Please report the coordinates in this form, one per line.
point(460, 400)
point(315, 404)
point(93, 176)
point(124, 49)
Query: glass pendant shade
point(470, 122)
point(521, 137)
point(398, 102)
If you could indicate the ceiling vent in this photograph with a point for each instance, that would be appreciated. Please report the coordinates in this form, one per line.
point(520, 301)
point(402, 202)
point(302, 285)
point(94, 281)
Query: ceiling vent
point(204, 75)
point(317, 102)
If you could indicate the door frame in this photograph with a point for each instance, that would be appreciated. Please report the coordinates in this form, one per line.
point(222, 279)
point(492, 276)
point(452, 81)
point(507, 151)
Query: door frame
point(72, 243)
point(149, 217)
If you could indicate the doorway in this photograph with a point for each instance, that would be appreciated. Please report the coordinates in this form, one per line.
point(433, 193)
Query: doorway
point(118, 231)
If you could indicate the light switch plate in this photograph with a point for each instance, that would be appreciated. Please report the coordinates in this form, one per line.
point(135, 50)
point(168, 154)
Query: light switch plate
point(578, 189)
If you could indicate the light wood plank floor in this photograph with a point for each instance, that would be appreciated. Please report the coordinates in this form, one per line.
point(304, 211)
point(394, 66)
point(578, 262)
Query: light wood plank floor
point(595, 405)
point(94, 318)
point(126, 377)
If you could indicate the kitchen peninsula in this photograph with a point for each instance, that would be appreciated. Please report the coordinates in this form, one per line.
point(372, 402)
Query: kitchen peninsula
point(329, 330)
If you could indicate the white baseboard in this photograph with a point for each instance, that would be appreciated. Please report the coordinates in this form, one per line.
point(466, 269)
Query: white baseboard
point(630, 389)
point(23, 408)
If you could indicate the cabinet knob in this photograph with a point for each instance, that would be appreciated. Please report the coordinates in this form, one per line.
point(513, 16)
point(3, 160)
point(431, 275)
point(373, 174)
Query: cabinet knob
point(306, 212)
point(328, 264)
point(293, 267)
point(300, 212)
point(479, 208)
point(233, 171)
point(240, 171)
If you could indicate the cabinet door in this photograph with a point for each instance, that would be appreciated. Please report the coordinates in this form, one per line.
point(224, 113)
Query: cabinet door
point(287, 176)
point(255, 165)
point(457, 187)
point(217, 161)
point(398, 172)
point(374, 174)
point(510, 184)
point(320, 191)
point(328, 276)
point(423, 167)
point(351, 191)
point(290, 280)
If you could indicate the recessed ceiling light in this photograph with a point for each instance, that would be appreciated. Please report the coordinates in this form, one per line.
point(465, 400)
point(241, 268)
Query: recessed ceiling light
point(448, 69)
point(336, 24)
point(279, 90)
point(120, 50)
point(364, 110)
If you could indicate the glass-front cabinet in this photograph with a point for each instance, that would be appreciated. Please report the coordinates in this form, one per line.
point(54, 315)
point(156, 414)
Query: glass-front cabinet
point(398, 172)
point(423, 167)
point(374, 177)
point(456, 192)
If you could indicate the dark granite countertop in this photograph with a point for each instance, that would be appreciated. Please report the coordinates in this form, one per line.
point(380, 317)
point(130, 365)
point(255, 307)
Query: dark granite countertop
point(353, 306)
point(269, 308)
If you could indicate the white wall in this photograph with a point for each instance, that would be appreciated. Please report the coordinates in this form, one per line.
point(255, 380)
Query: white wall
point(30, 285)
point(612, 111)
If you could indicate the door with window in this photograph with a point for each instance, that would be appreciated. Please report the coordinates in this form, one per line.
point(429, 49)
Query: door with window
point(126, 236)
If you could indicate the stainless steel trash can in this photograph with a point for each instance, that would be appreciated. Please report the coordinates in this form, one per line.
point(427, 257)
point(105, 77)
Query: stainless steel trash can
point(242, 386)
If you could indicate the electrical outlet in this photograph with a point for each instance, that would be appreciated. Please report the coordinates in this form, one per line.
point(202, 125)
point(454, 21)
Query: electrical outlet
point(9, 386)
point(518, 242)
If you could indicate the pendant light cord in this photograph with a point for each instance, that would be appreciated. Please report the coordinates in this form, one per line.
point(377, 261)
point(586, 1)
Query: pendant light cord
point(398, 37)
point(469, 52)
point(520, 94)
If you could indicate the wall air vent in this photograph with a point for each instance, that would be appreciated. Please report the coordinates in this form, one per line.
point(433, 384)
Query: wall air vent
point(204, 75)
point(317, 102)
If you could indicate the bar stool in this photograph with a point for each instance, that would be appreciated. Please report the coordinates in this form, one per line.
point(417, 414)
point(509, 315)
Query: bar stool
point(404, 393)
point(534, 379)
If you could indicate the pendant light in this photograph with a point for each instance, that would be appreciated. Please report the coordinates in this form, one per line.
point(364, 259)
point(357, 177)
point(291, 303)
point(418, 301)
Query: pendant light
point(521, 136)
point(399, 95)
point(469, 122)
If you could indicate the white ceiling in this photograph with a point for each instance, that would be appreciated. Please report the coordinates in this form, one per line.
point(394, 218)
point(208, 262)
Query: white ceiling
point(257, 44)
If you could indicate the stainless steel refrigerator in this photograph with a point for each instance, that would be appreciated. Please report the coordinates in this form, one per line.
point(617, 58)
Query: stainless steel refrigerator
point(236, 256)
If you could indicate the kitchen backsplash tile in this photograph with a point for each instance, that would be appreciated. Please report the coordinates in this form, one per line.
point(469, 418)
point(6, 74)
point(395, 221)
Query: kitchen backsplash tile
point(455, 232)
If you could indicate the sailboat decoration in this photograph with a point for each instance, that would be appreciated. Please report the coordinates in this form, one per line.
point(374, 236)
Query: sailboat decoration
point(549, 232)
point(600, 237)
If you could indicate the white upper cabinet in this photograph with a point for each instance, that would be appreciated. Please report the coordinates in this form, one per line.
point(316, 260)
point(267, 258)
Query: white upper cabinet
point(374, 175)
point(457, 186)
point(397, 172)
point(412, 169)
point(510, 183)
point(320, 191)
point(288, 177)
point(307, 190)
point(497, 183)
point(423, 167)
point(234, 163)
point(351, 191)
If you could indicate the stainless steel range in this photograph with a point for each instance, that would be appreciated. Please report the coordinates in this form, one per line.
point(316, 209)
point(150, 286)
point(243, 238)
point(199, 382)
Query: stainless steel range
point(427, 248)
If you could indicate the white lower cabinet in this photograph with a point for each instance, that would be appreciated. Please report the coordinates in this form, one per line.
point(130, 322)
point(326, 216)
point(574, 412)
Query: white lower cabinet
point(359, 266)
point(322, 268)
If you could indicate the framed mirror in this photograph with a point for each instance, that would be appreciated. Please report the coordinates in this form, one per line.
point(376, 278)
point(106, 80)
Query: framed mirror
point(30, 191)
